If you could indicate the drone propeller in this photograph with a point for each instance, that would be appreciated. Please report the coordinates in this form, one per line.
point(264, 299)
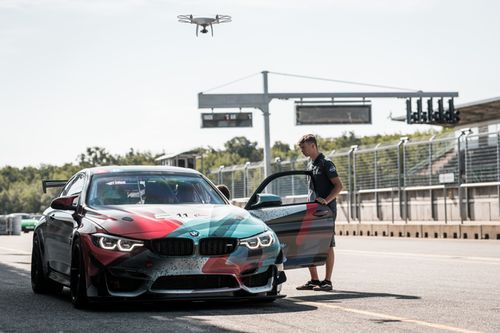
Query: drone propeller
point(222, 18)
point(185, 18)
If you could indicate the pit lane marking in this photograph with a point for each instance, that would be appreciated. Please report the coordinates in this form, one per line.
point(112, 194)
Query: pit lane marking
point(384, 316)
point(483, 260)
point(14, 250)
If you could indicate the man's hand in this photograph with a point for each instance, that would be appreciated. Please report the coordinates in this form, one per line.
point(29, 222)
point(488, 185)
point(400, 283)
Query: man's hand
point(321, 201)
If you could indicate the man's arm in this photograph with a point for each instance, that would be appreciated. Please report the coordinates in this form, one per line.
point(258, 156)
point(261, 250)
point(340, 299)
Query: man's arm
point(337, 187)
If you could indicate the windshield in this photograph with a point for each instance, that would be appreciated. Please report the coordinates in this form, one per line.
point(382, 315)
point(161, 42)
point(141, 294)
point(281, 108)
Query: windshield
point(155, 189)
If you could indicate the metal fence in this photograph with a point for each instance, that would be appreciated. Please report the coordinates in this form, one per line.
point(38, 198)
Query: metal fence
point(454, 161)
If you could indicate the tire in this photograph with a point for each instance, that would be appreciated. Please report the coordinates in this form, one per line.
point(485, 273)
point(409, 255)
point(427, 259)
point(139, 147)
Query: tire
point(40, 283)
point(78, 284)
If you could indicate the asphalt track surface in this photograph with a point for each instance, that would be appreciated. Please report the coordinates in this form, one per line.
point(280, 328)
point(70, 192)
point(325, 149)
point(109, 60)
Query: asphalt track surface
point(381, 285)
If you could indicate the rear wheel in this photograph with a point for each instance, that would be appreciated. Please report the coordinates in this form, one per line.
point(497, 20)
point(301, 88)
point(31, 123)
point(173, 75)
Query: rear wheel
point(78, 282)
point(40, 283)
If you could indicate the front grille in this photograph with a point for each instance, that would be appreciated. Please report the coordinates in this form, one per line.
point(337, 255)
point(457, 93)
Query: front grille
point(173, 246)
point(258, 280)
point(217, 245)
point(191, 282)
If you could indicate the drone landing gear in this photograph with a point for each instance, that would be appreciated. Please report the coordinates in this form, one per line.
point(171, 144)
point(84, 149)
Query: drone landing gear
point(204, 29)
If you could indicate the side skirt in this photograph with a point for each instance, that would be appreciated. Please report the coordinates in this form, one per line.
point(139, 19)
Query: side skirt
point(59, 278)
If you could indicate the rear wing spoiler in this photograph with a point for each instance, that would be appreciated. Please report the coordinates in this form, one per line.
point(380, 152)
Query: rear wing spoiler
point(52, 183)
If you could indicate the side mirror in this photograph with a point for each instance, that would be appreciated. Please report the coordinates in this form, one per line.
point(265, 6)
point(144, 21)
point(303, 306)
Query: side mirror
point(225, 190)
point(267, 200)
point(65, 203)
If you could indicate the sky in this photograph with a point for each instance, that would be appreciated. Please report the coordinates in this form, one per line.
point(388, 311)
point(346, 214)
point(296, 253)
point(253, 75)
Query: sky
point(124, 74)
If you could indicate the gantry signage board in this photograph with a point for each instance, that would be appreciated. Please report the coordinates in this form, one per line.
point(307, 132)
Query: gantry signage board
point(226, 119)
point(310, 114)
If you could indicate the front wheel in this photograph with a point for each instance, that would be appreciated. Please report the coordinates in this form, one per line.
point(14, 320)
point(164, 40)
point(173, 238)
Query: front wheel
point(78, 282)
point(40, 283)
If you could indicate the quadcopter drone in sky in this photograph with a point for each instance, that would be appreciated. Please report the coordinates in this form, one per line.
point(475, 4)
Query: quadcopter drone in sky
point(204, 22)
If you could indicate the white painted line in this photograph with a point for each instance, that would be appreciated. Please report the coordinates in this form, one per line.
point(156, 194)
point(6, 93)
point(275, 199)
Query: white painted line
point(161, 318)
point(15, 250)
point(18, 273)
point(385, 316)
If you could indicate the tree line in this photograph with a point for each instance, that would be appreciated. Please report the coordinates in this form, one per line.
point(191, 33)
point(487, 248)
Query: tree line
point(21, 189)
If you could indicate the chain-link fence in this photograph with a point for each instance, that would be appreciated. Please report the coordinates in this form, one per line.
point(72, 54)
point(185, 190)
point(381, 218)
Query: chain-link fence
point(457, 161)
point(424, 161)
point(482, 158)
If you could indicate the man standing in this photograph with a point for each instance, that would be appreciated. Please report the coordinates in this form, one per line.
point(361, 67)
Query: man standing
point(327, 186)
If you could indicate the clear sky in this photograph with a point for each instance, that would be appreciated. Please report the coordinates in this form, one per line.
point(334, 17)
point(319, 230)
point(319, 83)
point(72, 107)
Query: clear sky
point(125, 74)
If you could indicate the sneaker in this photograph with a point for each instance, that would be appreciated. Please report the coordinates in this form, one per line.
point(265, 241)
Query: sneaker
point(325, 285)
point(309, 285)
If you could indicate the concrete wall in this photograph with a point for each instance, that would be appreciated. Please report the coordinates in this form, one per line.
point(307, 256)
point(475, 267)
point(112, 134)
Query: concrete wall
point(436, 230)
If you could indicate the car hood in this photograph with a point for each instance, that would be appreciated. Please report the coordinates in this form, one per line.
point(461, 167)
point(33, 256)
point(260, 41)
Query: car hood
point(192, 221)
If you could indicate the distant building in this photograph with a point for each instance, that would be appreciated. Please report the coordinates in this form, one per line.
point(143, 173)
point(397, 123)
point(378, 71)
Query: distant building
point(481, 116)
point(186, 159)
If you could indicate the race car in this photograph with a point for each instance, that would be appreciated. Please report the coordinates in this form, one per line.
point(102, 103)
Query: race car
point(167, 233)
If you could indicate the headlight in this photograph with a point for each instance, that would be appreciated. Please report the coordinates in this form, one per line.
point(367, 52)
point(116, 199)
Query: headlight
point(114, 243)
point(262, 240)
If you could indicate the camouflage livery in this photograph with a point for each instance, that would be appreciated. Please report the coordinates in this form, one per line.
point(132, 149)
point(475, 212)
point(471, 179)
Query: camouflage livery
point(133, 233)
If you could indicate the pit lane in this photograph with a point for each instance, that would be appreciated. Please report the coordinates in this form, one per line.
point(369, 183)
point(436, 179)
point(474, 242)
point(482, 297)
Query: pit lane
point(381, 285)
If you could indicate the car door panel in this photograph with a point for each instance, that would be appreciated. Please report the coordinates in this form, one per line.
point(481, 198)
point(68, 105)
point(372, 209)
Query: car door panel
point(305, 237)
point(304, 229)
point(60, 225)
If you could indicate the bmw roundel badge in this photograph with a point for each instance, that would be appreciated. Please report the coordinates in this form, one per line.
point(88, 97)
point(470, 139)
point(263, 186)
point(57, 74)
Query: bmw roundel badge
point(194, 233)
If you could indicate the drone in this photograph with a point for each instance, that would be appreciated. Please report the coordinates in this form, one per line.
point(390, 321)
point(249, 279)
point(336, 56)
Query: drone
point(204, 22)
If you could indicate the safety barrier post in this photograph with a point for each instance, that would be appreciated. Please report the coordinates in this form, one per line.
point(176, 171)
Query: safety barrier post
point(431, 192)
point(351, 189)
point(401, 178)
point(462, 174)
point(245, 179)
point(498, 170)
point(375, 182)
point(221, 168)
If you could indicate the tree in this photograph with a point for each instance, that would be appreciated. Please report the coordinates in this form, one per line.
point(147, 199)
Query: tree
point(136, 158)
point(96, 156)
point(283, 151)
point(244, 148)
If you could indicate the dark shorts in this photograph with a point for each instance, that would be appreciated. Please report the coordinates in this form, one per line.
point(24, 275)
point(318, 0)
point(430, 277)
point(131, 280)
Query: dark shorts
point(333, 208)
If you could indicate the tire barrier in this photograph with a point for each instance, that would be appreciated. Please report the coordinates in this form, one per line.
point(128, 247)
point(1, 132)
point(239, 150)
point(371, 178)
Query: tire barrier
point(10, 224)
point(4, 228)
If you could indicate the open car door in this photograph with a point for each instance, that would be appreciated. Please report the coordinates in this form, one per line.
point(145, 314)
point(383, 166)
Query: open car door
point(304, 228)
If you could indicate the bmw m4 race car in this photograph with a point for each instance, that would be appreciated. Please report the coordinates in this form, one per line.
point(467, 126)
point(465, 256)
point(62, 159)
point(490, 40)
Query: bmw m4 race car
point(151, 232)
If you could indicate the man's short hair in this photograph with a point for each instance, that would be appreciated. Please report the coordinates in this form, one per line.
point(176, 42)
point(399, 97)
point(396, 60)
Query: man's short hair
point(309, 138)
